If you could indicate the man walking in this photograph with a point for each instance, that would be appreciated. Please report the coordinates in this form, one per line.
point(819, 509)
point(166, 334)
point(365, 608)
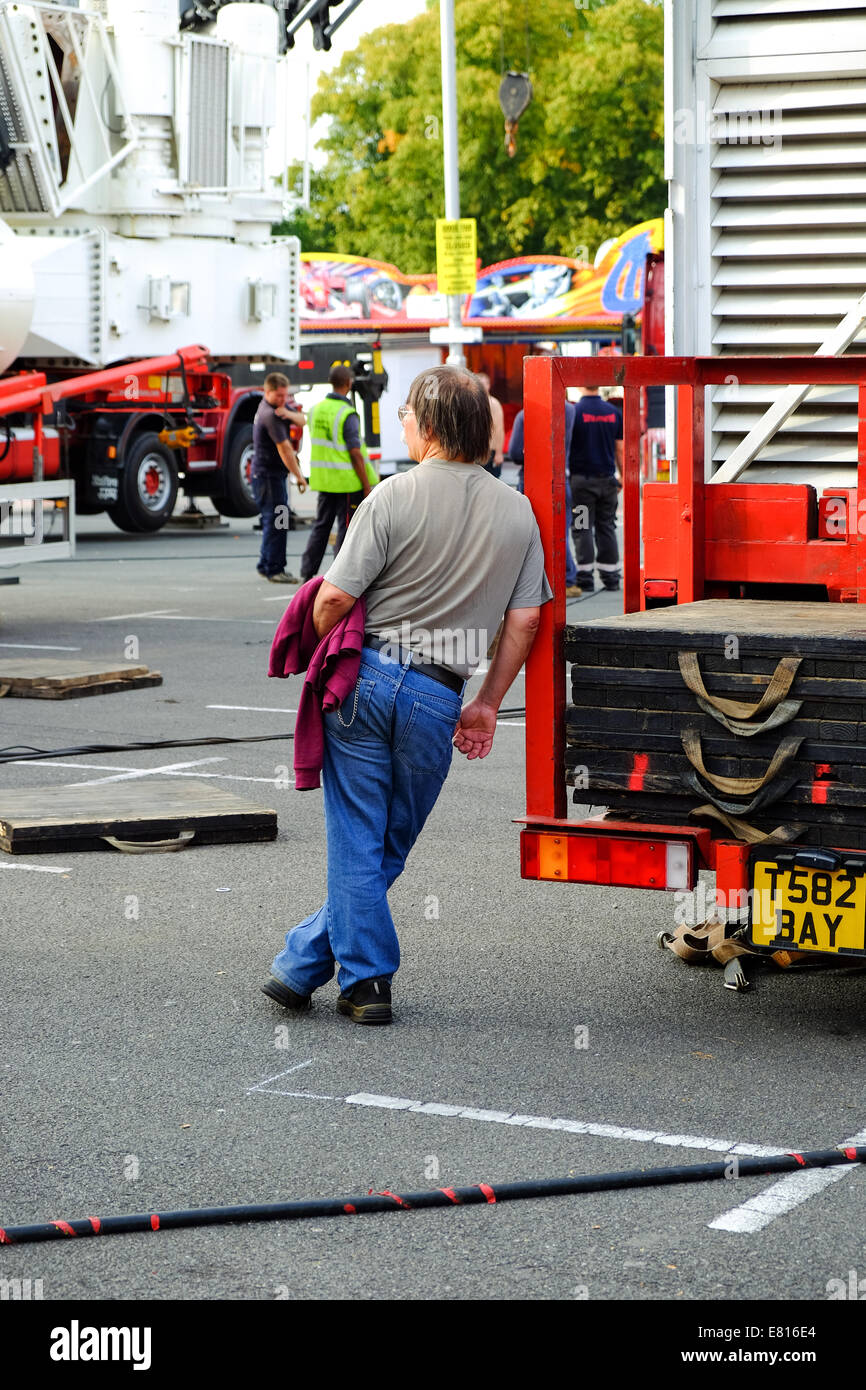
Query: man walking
point(595, 464)
point(339, 471)
point(439, 553)
point(273, 456)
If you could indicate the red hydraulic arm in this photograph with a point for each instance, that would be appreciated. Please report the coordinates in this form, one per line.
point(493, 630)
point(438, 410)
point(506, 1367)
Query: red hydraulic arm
point(30, 393)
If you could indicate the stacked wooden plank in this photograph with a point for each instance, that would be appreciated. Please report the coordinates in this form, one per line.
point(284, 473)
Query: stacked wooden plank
point(143, 814)
point(64, 678)
point(643, 744)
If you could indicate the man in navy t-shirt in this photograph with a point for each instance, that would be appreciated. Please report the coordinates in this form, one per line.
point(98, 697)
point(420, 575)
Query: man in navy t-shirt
point(273, 457)
point(595, 465)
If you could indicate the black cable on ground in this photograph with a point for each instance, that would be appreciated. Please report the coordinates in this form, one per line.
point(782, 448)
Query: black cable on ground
point(732, 1166)
point(24, 753)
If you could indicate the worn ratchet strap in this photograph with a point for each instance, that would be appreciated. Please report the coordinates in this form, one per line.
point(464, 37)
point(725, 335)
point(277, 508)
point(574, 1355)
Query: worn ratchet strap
point(780, 683)
point(742, 728)
point(765, 797)
point(739, 786)
point(742, 830)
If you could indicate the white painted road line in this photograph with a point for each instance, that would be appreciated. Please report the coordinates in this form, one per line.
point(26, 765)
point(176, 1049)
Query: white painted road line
point(145, 772)
point(195, 618)
point(511, 1117)
point(783, 1196)
point(37, 868)
point(255, 709)
point(299, 1066)
point(38, 647)
point(121, 617)
point(169, 771)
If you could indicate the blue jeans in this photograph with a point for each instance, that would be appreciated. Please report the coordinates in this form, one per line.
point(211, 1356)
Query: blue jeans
point(570, 566)
point(270, 493)
point(387, 753)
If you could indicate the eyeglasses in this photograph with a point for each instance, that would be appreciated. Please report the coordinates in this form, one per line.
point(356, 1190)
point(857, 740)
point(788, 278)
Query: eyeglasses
point(403, 411)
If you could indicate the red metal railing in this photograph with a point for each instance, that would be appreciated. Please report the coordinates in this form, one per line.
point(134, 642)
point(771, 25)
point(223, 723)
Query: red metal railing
point(545, 383)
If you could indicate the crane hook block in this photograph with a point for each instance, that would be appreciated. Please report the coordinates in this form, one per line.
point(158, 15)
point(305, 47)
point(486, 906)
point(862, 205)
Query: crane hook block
point(515, 94)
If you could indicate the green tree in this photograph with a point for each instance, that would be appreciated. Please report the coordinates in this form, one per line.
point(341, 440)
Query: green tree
point(589, 148)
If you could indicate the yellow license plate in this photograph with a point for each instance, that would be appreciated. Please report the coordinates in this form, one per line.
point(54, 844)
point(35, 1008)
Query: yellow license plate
point(801, 909)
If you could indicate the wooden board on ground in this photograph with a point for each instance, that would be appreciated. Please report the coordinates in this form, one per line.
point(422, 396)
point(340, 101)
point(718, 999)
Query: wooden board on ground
point(53, 819)
point(64, 678)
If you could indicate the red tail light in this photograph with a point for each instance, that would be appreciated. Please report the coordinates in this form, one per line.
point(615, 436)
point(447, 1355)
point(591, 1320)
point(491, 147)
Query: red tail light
point(621, 861)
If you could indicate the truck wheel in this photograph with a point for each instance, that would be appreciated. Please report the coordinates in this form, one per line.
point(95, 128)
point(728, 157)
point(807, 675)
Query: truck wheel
point(238, 498)
point(147, 488)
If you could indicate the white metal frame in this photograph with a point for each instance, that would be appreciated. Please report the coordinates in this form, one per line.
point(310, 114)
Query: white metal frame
point(31, 549)
point(61, 191)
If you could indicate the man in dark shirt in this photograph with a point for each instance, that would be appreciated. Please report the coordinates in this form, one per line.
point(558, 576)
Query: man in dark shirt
point(273, 455)
point(595, 464)
point(515, 453)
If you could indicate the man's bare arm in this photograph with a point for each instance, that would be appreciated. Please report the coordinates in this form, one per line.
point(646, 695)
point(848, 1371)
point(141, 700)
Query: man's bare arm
point(619, 457)
point(331, 604)
point(295, 417)
point(477, 725)
point(290, 459)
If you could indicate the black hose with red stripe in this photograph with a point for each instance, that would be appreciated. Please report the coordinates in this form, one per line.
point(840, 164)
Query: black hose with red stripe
point(433, 1197)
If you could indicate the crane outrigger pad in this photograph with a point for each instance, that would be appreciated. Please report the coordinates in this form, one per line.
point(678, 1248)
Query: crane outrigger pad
point(757, 708)
point(136, 816)
point(53, 678)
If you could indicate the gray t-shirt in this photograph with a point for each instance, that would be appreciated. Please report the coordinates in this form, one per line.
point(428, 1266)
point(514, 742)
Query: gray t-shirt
point(440, 552)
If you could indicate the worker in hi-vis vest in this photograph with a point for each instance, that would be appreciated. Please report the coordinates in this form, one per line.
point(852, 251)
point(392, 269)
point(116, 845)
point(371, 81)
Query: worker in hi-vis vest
point(340, 471)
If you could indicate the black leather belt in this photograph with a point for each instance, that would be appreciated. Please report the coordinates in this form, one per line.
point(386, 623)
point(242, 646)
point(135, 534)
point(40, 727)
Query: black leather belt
point(427, 668)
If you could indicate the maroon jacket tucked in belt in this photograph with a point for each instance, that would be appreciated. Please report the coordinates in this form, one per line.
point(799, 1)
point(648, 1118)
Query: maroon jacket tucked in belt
point(331, 663)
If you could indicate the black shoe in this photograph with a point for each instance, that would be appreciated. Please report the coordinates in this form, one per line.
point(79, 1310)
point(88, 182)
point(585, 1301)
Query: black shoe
point(612, 587)
point(586, 582)
point(289, 998)
point(369, 1001)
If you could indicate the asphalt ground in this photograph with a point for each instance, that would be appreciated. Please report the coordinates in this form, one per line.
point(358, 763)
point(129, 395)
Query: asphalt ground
point(144, 1070)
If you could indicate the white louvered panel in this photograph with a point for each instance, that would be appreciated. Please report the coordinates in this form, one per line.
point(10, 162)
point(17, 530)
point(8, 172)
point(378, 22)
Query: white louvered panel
point(757, 398)
point(803, 421)
point(791, 155)
point(807, 303)
point(786, 35)
point(797, 337)
point(767, 9)
point(207, 128)
point(795, 463)
point(748, 274)
point(785, 184)
point(767, 249)
point(785, 450)
point(819, 98)
point(769, 206)
point(762, 214)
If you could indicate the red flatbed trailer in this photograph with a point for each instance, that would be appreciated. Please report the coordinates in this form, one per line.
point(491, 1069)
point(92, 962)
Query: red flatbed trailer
point(700, 540)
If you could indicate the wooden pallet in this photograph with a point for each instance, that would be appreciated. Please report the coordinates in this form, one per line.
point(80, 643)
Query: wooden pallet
point(632, 705)
point(51, 820)
point(65, 679)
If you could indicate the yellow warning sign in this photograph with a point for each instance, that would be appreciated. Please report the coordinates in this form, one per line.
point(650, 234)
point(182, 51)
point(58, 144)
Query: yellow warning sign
point(456, 255)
